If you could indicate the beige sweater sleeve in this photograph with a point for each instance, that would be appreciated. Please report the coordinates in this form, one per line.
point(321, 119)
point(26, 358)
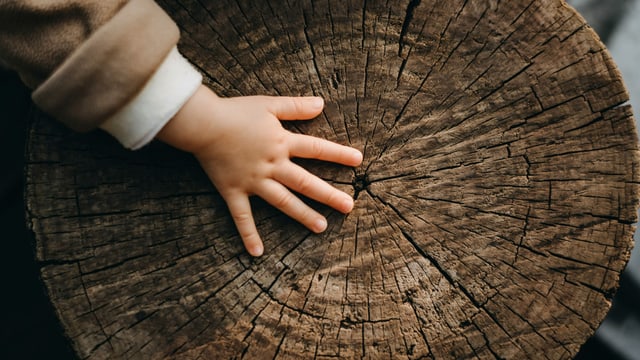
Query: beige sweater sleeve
point(85, 59)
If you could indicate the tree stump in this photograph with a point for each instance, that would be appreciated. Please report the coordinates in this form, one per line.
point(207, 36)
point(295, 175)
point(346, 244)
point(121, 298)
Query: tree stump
point(494, 212)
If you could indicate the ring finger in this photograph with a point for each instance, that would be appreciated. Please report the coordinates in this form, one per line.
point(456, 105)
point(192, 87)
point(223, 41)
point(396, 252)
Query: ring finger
point(280, 197)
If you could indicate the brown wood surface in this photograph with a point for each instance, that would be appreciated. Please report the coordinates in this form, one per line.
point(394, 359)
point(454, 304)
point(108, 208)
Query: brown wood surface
point(494, 212)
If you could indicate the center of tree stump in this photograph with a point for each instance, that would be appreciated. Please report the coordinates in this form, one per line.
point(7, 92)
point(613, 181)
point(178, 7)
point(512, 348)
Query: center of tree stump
point(360, 182)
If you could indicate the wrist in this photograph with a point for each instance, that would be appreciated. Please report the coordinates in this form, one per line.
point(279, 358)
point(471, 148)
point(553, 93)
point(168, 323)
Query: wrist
point(171, 86)
point(189, 129)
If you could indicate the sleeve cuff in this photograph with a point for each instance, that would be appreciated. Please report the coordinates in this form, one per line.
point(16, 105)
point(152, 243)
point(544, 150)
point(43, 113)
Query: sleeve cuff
point(110, 67)
point(171, 86)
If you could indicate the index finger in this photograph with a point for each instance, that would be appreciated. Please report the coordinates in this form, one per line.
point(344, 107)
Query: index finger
point(295, 108)
point(310, 147)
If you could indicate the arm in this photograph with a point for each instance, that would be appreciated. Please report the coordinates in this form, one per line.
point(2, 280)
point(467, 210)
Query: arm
point(245, 151)
point(102, 77)
point(79, 55)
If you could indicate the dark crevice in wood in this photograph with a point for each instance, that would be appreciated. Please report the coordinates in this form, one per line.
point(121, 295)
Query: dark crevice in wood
point(523, 237)
point(433, 261)
point(105, 213)
point(455, 284)
point(487, 343)
point(408, 298)
point(577, 261)
point(106, 338)
point(265, 290)
point(360, 183)
point(405, 24)
point(60, 262)
point(311, 47)
point(214, 293)
point(114, 265)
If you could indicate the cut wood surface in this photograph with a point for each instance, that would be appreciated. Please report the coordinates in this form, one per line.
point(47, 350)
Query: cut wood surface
point(494, 208)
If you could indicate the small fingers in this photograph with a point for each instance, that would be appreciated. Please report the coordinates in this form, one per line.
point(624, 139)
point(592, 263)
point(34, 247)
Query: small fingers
point(298, 179)
point(309, 147)
point(240, 209)
point(280, 197)
point(296, 108)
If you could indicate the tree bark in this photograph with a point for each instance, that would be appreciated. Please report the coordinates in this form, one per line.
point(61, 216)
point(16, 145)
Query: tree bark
point(494, 208)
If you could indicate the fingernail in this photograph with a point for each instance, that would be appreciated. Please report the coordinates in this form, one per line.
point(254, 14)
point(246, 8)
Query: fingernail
point(347, 204)
point(357, 156)
point(317, 103)
point(320, 225)
point(257, 250)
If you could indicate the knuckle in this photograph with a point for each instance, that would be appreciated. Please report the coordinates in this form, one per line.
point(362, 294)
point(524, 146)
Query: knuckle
point(242, 218)
point(333, 197)
point(283, 201)
point(303, 183)
point(250, 237)
point(316, 147)
point(297, 105)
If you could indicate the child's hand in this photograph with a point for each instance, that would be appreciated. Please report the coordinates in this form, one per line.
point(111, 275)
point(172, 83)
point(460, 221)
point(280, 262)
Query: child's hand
point(244, 149)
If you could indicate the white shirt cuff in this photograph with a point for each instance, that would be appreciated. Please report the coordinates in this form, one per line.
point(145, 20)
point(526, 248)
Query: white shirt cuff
point(136, 124)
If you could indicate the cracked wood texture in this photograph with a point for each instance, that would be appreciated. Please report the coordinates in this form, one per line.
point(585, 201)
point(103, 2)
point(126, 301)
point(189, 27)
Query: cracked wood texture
point(494, 212)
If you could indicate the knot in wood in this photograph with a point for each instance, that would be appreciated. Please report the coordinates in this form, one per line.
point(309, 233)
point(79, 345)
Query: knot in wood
point(360, 182)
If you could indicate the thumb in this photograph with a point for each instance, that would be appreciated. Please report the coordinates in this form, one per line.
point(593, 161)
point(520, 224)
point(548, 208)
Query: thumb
point(296, 108)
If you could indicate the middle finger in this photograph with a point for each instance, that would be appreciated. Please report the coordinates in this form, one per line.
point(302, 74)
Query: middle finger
point(300, 180)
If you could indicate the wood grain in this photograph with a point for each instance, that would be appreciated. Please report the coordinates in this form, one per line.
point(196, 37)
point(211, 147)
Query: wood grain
point(494, 208)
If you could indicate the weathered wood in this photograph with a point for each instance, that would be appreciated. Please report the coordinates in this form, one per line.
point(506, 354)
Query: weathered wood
point(494, 211)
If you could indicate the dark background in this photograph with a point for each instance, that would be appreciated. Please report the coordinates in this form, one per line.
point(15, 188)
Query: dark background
point(28, 326)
